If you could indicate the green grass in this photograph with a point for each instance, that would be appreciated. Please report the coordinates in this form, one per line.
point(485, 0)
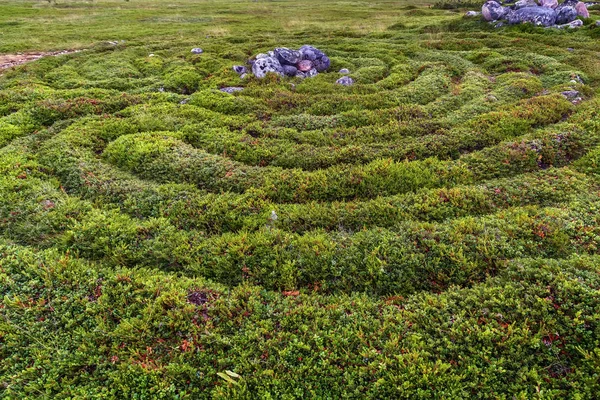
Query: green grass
point(437, 226)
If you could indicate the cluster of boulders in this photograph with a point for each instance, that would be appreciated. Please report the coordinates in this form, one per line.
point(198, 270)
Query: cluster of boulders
point(305, 62)
point(547, 13)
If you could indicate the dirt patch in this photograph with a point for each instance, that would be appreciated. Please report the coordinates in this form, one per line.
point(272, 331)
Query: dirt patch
point(12, 60)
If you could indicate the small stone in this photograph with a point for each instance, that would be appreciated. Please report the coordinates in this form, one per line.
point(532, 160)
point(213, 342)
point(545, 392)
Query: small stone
point(197, 50)
point(345, 81)
point(289, 70)
point(312, 72)
point(184, 101)
point(231, 89)
point(472, 13)
point(493, 11)
point(570, 49)
point(305, 65)
point(150, 55)
point(570, 94)
point(582, 10)
point(344, 71)
point(243, 76)
point(598, 23)
point(239, 69)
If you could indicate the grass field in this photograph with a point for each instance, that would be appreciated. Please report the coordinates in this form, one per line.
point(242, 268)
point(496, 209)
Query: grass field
point(437, 226)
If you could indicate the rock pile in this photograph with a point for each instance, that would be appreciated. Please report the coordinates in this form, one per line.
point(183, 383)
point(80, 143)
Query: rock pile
point(547, 13)
point(305, 62)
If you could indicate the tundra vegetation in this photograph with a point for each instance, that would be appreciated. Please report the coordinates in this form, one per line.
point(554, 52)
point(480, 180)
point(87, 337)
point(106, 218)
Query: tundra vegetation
point(429, 232)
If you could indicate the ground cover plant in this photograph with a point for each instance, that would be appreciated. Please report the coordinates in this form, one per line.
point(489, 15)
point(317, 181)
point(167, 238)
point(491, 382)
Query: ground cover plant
point(429, 232)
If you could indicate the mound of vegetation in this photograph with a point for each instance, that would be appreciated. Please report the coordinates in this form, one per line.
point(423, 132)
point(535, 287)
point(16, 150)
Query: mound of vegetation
point(429, 232)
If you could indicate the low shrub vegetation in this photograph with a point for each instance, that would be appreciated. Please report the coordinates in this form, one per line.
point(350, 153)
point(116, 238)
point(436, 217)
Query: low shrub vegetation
point(428, 232)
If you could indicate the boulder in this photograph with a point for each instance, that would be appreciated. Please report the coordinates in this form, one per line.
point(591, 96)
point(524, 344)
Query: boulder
point(493, 11)
point(565, 14)
point(582, 10)
point(289, 70)
point(322, 64)
point(262, 66)
point(541, 16)
point(286, 56)
point(310, 53)
point(345, 81)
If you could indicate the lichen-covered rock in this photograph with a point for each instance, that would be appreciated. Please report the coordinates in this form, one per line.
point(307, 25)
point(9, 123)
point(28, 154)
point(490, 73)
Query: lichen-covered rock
point(541, 16)
point(493, 11)
point(310, 53)
point(286, 56)
point(322, 64)
point(582, 10)
point(345, 81)
point(565, 14)
point(262, 66)
point(231, 89)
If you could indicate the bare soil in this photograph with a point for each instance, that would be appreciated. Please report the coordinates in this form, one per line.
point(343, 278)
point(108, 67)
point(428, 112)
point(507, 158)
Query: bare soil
point(12, 60)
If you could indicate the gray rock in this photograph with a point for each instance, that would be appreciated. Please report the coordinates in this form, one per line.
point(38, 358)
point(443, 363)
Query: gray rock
point(541, 16)
point(240, 69)
point(286, 56)
point(571, 94)
point(345, 81)
point(262, 66)
point(322, 64)
point(472, 13)
point(525, 3)
point(261, 55)
point(243, 76)
point(565, 14)
point(300, 75)
point(493, 11)
point(344, 71)
point(570, 49)
point(289, 70)
point(231, 89)
point(197, 50)
point(184, 101)
point(597, 23)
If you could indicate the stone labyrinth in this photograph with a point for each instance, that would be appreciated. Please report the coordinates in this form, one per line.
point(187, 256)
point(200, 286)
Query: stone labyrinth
point(385, 186)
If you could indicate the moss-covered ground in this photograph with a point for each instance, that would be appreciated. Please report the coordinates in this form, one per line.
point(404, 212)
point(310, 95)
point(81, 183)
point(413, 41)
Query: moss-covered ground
point(437, 230)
